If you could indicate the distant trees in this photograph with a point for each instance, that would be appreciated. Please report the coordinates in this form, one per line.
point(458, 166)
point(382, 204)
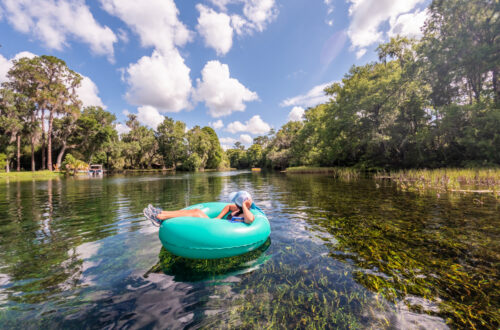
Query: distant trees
point(428, 103)
point(39, 106)
point(36, 86)
point(172, 144)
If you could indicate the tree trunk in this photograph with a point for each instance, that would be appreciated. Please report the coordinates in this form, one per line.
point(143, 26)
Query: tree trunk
point(496, 85)
point(33, 144)
point(33, 153)
point(49, 141)
point(18, 152)
point(60, 156)
point(43, 141)
point(7, 167)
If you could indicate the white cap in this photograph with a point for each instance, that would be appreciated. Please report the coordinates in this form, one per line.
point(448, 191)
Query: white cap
point(239, 197)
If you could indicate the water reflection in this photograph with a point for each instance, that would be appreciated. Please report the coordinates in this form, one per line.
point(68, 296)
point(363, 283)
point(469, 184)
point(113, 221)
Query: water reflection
point(189, 270)
point(79, 253)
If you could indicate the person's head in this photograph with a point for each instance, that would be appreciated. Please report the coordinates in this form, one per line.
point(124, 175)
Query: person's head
point(239, 197)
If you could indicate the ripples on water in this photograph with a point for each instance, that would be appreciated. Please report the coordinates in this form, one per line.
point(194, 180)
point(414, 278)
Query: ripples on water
point(79, 253)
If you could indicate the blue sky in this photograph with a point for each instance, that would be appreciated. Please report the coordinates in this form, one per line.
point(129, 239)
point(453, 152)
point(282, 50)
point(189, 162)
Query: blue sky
point(242, 66)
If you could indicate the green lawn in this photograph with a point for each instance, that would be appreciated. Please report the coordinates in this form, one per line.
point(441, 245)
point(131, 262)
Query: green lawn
point(28, 175)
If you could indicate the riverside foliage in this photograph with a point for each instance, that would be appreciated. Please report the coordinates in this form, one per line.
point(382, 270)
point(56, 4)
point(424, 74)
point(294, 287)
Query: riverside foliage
point(428, 103)
point(41, 91)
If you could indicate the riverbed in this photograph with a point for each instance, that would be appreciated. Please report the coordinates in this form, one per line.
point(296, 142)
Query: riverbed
point(78, 253)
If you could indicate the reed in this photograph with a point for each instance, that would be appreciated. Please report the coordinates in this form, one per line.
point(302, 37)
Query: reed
point(345, 173)
point(479, 180)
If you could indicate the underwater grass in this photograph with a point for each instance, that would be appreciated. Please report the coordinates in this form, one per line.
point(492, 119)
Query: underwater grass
point(185, 269)
point(397, 262)
point(28, 175)
point(447, 179)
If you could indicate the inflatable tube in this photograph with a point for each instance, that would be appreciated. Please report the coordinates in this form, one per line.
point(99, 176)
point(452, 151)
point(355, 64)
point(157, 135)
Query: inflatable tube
point(210, 238)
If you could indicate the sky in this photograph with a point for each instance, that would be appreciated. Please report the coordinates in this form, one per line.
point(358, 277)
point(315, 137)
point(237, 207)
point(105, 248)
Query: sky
point(242, 67)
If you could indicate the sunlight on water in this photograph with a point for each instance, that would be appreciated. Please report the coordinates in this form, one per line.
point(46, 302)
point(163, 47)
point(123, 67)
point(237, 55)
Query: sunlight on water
point(79, 253)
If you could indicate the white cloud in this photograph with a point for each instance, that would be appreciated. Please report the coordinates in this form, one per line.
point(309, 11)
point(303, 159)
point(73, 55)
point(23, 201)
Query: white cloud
point(367, 17)
point(257, 13)
point(221, 3)
point(122, 35)
point(149, 116)
point(227, 140)
point(296, 114)
point(53, 22)
point(246, 139)
point(221, 93)
point(161, 81)
point(240, 25)
point(6, 64)
point(254, 126)
point(156, 22)
point(215, 28)
point(122, 129)
point(312, 98)
point(260, 12)
point(360, 53)
point(329, 6)
point(408, 25)
point(88, 93)
point(216, 124)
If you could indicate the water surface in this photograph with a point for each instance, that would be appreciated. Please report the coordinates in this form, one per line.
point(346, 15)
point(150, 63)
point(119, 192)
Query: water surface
point(78, 253)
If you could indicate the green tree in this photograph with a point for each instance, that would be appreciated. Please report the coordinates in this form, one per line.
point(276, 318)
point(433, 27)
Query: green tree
point(280, 153)
point(23, 80)
point(56, 93)
point(94, 129)
point(11, 125)
point(172, 143)
point(215, 153)
point(460, 49)
point(140, 146)
point(199, 143)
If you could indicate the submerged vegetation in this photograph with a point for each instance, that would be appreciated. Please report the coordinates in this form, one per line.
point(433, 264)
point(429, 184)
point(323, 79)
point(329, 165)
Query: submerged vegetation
point(185, 269)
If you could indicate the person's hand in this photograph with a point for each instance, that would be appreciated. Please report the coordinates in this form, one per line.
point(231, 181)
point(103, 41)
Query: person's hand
point(248, 203)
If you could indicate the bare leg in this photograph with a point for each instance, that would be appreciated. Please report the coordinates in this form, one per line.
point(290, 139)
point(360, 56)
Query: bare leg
point(181, 213)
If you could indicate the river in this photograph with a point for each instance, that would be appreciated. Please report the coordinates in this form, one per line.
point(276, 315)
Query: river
point(78, 253)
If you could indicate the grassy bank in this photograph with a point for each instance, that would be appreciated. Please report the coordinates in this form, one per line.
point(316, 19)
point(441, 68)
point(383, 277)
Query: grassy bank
point(447, 179)
point(28, 175)
point(347, 173)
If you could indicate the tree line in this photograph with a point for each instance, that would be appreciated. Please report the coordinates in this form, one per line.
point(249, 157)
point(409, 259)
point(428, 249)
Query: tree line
point(42, 122)
point(429, 103)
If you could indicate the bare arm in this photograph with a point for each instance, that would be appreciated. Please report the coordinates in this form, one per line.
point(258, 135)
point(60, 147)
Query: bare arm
point(227, 208)
point(249, 217)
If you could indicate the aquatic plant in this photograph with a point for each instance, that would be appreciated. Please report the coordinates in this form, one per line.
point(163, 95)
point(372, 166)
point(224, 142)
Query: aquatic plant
point(446, 179)
point(345, 173)
point(185, 269)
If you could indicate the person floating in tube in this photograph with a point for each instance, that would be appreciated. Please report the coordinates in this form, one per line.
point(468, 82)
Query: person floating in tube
point(240, 210)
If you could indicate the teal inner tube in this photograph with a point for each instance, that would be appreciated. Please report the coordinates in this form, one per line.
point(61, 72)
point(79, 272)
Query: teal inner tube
point(211, 238)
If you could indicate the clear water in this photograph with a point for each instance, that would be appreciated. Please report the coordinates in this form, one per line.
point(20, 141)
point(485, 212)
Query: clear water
point(77, 253)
